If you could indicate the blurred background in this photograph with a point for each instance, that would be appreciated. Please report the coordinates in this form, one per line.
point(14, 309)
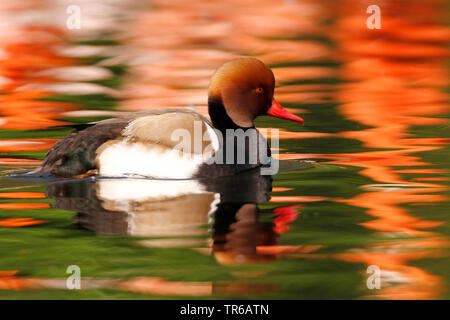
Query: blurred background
point(371, 175)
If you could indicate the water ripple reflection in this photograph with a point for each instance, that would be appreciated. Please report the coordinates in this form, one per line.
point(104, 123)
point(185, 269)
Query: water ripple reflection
point(373, 189)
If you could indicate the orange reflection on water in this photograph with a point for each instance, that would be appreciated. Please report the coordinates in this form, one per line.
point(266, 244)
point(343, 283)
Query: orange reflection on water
point(24, 206)
point(175, 47)
point(386, 206)
point(19, 161)
point(378, 164)
point(26, 145)
point(179, 46)
point(395, 73)
point(398, 279)
point(25, 56)
point(23, 195)
point(19, 222)
point(390, 100)
point(27, 50)
point(23, 110)
point(11, 280)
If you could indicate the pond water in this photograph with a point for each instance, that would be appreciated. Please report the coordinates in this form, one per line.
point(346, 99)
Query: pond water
point(363, 183)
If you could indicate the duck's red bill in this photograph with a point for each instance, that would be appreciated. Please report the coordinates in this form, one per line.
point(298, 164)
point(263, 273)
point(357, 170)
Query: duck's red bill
point(276, 110)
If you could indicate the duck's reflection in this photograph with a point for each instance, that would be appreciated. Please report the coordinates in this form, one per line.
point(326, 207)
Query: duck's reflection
point(176, 213)
point(238, 233)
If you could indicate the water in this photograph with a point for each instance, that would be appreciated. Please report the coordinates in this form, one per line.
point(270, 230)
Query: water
point(373, 189)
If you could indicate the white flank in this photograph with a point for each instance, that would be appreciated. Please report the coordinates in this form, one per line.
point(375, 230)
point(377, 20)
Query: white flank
point(145, 189)
point(122, 158)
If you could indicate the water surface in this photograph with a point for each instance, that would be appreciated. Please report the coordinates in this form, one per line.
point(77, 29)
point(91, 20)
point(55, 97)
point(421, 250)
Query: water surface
point(373, 189)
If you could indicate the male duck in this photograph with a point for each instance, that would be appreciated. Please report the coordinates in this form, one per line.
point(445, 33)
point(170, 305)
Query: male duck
point(143, 143)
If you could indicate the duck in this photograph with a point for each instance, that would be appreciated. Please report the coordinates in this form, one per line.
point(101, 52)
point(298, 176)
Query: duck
point(144, 143)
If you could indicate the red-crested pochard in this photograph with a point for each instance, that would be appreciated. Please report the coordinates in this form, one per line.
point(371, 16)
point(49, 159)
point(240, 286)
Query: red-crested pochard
point(143, 143)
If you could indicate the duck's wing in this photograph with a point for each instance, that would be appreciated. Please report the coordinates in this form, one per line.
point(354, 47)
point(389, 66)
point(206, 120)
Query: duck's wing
point(75, 154)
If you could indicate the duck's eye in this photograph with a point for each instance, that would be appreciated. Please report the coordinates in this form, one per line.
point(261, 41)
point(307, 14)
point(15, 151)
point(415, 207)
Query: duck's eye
point(259, 90)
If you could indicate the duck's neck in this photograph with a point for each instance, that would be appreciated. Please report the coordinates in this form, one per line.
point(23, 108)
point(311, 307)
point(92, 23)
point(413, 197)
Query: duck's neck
point(230, 165)
point(219, 117)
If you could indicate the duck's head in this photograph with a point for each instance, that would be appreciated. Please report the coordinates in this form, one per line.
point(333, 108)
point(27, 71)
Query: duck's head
point(241, 90)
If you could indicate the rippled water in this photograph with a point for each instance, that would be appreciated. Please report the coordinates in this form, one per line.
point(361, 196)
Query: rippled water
point(364, 182)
